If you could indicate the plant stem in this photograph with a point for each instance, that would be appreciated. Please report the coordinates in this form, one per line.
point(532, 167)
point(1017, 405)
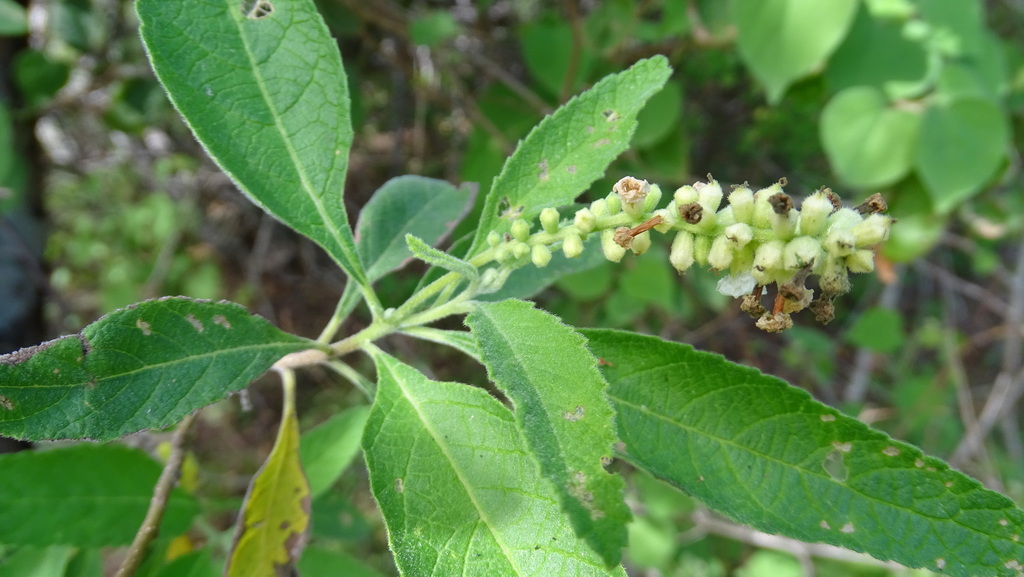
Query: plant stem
point(158, 504)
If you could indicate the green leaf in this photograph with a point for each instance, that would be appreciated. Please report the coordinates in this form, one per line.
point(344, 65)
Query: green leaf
point(267, 98)
point(274, 522)
point(142, 367)
point(318, 562)
point(425, 207)
point(36, 562)
point(434, 257)
point(877, 329)
point(868, 143)
point(192, 564)
point(459, 340)
point(769, 456)
point(92, 496)
point(876, 53)
point(571, 148)
point(545, 369)
point(328, 449)
point(459, 491)
point(783, 40)
point(548, 52)
point(13, 19)
point(961, 146)
point(433, 28)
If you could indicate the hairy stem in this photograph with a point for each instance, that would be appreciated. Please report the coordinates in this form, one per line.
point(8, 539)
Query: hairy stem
point(158, 504)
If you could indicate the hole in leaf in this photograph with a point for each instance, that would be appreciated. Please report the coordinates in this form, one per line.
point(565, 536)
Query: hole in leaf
point(257, 9)
point(835, 467)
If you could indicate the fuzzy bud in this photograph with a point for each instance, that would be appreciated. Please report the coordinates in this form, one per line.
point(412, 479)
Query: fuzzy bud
point(813, 212)
point(681, 254)
point(668, 218)
point(520, 230)
point(768, 261)
point(520, 249)
point(701, 249)
point(614, 204)
point(800, 252)
point(739, 234)
point(685, 195)
point(861, 261)
point(720, 256)
point(612, 250)
point(872, 230)
point(599, 207)
point(653, 198)
point(572, 246)
point(549, 220)
point(493, 239)
point(503, 253)
point(834, 280)
point(840, 242)
point(741, 199)
point(844, 218)
point(709, 194)
point(641, 243)
point(540, 255)
point(585, 220)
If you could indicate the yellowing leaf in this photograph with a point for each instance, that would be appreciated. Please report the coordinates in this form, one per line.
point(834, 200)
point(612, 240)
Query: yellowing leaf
point(274, 521)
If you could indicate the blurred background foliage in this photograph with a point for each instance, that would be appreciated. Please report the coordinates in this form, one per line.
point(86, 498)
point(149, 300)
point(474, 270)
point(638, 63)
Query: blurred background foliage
point(106, 199)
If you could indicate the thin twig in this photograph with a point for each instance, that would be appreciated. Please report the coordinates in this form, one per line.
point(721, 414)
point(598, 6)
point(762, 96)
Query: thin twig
point(158, 504)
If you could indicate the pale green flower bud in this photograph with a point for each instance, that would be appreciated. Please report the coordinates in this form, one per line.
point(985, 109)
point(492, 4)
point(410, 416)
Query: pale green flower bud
point(493, 239)
point(572, 246)
point(739, 234)
point(784, 225)
point(653, 198)
point(549, 220)
point(681, 254)
point(813, 213)
point(584, 220)
point(540, 255)
point(768, 261)
point(614, 204)
point(872, 230)
point(725, 217)
point(520, 230)
point(844, 218)
point(701, 249)
point(800, 252)
point(834, 280)
point(641, 243)
point(599, 207)
point(720, 256)
point(685, 195)
point(861, 261)
point(764, 215)
point(743, 259)
point(840, 242)
point(709, 194)
point(741, 199)
point(612, 250)
point(669, 216)
point(503, 253)
point(520, 249)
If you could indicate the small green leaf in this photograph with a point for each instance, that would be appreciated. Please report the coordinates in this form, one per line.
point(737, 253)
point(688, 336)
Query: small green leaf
point(459, 340)
point(142, 367)
point(265, 93)
point(459, 491)
point(441, 259)
point(559, 395)
point(433, 28)
point(425, 207)
point(783, 40)
point(877, 329)
point(868, 143)
point(327, 449)
point(274, 522)
point(769, 456)
point(92, 495)
point(13, 19)
point(961, 146)
point(570, 149)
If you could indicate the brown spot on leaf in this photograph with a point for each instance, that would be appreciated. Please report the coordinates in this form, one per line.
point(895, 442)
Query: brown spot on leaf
point(602, 142)
point(6, 403)
point(144, 327)
point(399, 486)
point(543, 166)
point(574, 415)
point(257, 9)
point(196, 323)
point(221, 321)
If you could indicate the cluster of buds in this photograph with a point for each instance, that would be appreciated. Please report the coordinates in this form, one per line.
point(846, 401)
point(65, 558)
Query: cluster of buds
point(758, 238)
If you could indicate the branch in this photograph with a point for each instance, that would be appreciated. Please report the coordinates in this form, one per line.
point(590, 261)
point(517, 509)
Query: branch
point(151, 524)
